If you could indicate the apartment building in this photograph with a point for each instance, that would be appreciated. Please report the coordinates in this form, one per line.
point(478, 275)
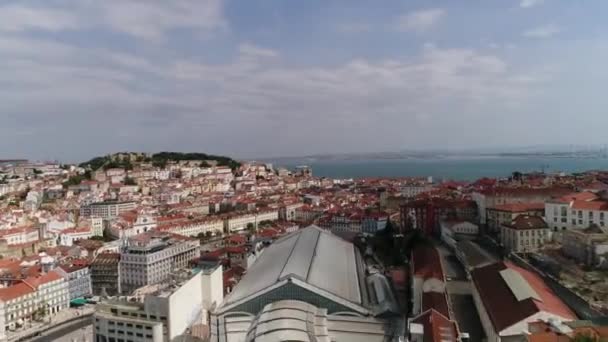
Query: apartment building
point(505, 213)
point(241, 221)
point(105, 274)
point(32, 298)
point(67, 237)
point(78, 278)
point(194, 227)
point(19, 235)
point(149, 258)
point(524, 234)
point(588, 246)
point(106, 210)
point(576, 211)
point(155, 313)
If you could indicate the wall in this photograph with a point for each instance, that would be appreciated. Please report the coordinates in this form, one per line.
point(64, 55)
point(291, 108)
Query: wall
point(185, 306)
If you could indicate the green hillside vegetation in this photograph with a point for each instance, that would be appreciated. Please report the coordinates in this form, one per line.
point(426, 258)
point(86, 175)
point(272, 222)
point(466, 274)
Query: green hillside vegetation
point(160, 159)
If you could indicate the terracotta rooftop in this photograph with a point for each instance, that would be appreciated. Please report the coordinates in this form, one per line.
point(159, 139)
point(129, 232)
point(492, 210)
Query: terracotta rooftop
point(426, 262)
point(520, 207)
point(524, 222)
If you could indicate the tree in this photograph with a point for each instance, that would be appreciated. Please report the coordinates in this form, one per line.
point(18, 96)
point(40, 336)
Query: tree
point(130, 181)
point(251, 227)
point(580, 337)
point(204, 164)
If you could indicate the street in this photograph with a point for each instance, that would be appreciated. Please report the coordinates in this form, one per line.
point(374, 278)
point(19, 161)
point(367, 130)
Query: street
point(80, 331)
point(459, 293)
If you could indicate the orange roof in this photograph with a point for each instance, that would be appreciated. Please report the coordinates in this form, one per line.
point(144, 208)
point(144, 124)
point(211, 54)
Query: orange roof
point(590, 205)
point(37, 281)
point(437, 327)
point(579, 196)
point(520, 207)
point(550, 302)
point(15, 291)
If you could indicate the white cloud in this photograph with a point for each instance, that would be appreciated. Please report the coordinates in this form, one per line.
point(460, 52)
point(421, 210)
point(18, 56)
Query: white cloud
point(159, 101)
point(541, 32)
point(16, 18)
point(149, 20)
point(420, 21)
point(530, 3)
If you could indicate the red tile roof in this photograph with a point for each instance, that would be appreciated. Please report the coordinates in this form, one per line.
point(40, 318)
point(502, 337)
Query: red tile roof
point(520, 207)
point(589, 205)
point(578, 196)
point(15, 291)
point(426, 262)
point(502, 306)
point(437, 327)
point(436, 301)
point(524, 222)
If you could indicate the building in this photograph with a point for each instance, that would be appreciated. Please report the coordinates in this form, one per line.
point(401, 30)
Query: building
point(426, 214)
point(242, 221)
point(288, 211)
point(33, 298)
point(576, 211)
point(105, 274)
point(309, 276)
point(432, 326)
point(524, 234)
point(106, 210)
point(505, 213)
point(497, 196)
point(509, 297)
point(155, 313)
point(427, 277)
point(588, 246)
point(194, 227)
point(453, 231)
point(78, 278)
point(150, 258)
point(413, 190)
point(20, 235)
point(67, 237)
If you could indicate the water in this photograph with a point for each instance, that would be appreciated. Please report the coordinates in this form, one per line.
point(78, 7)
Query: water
point(445, 168)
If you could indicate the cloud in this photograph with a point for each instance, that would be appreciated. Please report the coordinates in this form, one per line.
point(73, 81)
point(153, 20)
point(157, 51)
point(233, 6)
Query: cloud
point(252, 103)
point(15, 18)
point(420, 21)
point(530, 3)
point(541, 32)
point(353, 27)
point(149, 20)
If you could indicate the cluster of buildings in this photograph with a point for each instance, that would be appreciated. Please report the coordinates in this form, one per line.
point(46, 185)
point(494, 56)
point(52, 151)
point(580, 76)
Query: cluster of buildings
point(194, 249)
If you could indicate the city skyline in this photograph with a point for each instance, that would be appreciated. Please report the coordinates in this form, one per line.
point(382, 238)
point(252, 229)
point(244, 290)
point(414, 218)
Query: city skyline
point(271, 79)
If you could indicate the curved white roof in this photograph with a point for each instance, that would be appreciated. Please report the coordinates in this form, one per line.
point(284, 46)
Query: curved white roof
point(311, 255)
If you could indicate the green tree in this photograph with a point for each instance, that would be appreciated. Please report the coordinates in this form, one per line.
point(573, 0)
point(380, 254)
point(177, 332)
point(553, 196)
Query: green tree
point(130, 181)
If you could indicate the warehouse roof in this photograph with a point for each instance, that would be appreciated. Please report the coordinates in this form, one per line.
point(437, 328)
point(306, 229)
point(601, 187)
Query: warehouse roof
point(310, 255)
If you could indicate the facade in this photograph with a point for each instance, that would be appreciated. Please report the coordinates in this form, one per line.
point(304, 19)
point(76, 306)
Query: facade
point(21, 235)
point(455, 230)
point(240, 222)
point(498, 196)
point(413, 190)
point(33, 298)
point(151, 257)
point(79, 280)
point(576, 211)
point(194, 227)
point(288, 211)
point(506, 213)
point(158, 313)
point(105, 274)
point(525, 234)
point(106, 210)
point(588, 246)
point(67, 237)
point(509, 297)
point(426, 214)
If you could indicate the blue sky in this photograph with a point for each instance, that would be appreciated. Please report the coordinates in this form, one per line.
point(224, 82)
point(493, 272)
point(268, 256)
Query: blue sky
point(262, 78)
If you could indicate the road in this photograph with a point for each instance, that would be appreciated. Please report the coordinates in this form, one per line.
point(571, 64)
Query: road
point(459, 291)
point(79, 331)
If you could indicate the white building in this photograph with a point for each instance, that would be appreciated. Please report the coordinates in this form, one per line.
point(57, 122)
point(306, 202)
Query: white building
point(454, 231)
point(106, 210)
point(576, 211)
point(194, 227)
point(150, 258)
point(67, 237)
point(16, 236)
point(156, 313)
point(34, 298)
point(525, 234)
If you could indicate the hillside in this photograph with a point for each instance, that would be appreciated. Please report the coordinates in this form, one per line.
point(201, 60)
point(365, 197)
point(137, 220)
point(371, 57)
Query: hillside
point(126, 160)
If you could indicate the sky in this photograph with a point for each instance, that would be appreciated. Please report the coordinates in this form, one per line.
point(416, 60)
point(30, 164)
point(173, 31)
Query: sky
point(266, 78)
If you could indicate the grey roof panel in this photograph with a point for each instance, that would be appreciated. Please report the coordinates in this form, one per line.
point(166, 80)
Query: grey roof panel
point(518, 285)
point(301, 257)
point(334, 269)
